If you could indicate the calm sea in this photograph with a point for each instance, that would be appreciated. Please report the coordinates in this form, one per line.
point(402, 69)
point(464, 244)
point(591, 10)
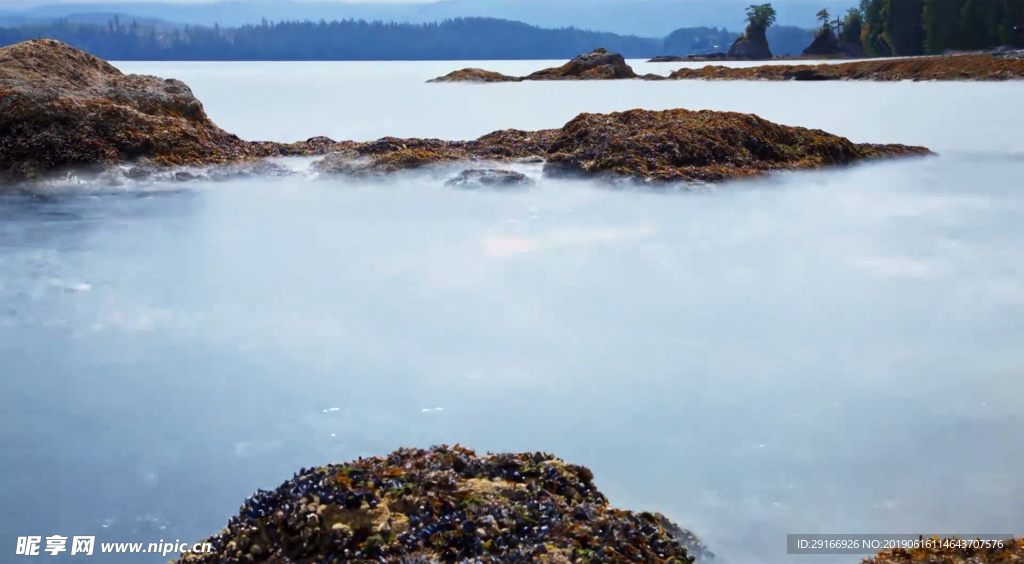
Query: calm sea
point(824, 352)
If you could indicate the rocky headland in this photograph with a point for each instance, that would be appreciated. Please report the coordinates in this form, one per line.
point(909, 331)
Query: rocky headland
point(63, 109)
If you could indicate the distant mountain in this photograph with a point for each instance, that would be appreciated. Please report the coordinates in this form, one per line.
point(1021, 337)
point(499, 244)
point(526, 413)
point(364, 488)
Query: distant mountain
point(98, 18)
point(647, 18)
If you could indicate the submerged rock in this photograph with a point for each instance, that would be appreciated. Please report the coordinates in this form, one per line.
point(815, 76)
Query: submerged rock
point(445, 504)
point(666, 59)
point(599, 64)
point(959, 67)
point(674, 145)
point(489, 178)
point(476, 75)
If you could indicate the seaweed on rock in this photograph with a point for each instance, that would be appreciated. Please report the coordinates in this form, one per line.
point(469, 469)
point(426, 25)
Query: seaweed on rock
point(443, 505)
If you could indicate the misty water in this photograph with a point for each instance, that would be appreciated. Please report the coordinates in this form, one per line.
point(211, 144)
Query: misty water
point(823, 352)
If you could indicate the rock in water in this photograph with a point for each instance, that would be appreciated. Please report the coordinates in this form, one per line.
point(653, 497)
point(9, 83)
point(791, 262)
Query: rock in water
point(476, 75)
point(489, 178)
point(751, 45)
point(958, 67)
point(705, 145)
point(445, 504)
point(599, 64)
point(63, 107)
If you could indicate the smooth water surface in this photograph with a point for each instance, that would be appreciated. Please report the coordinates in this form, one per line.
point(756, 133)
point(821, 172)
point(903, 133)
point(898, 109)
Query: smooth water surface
point(829, 352)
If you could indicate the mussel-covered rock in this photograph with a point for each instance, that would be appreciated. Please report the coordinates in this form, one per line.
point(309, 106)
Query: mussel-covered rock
point(489, 178)
point(674, 145)
point(1006, 552)
point(445, 504)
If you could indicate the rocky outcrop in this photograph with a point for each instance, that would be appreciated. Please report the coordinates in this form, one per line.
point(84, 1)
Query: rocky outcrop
point(489, 178)
point(61, 107)
point(751, 45)
point(599, 64)
point(476, 75)
point(666, 59)
point(963, 67)
point(685, 145)
point(825, 44)
point(446, 504)
point(1008, 552)
point(665, 146)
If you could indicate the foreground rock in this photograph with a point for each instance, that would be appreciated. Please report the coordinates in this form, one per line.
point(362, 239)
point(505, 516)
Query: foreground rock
point(1012, 552)
point(476, 75)
point(962, 67)
point(61, 107)
point(445, 505)
point(686, 145)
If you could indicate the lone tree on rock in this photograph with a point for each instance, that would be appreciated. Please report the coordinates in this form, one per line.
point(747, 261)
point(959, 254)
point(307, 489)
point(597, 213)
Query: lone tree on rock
point(823, 17)
point(760, 17)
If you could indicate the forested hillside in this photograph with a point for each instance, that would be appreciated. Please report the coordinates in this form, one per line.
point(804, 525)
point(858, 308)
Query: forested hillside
point(929, 27)
point(458, 39)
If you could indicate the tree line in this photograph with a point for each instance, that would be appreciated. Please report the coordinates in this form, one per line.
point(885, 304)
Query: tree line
point(930, 27)
point(456, 39)
point(882, 27)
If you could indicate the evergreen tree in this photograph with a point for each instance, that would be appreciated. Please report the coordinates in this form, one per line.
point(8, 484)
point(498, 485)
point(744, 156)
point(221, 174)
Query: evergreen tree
point(852, 26)
point(903, 28)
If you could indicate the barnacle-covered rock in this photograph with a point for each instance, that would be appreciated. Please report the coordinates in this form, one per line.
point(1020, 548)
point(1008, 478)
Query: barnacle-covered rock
point(674, 145)
point(445, 504)
point(957, 67)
